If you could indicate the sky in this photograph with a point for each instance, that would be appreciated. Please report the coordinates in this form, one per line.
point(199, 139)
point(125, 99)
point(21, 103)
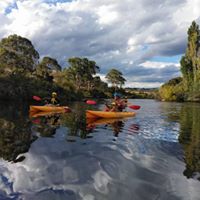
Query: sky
point(143, 39)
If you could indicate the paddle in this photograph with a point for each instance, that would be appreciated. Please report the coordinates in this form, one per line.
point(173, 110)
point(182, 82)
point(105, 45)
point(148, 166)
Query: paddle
point(91, 102)
point(37, 98)
point(134, 107)
point(36, 121)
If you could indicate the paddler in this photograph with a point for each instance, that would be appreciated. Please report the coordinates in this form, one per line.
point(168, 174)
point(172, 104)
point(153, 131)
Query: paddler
point(118, 105)
point(54, 99)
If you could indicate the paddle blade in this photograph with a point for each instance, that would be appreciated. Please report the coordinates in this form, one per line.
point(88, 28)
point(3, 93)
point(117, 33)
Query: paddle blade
point(134, 107)
point(91, 102)
point(36, 121)
point(37, 98)
point(67, 109)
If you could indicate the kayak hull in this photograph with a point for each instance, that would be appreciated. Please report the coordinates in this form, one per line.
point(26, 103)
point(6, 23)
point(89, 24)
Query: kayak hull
point(103, 114)
point(49, 108)
point(42, 114)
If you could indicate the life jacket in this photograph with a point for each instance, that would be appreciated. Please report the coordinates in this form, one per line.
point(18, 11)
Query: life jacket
point(54, 100)
point(118, 105)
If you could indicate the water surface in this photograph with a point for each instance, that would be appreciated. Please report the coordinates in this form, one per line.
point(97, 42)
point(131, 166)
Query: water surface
point(155, 155)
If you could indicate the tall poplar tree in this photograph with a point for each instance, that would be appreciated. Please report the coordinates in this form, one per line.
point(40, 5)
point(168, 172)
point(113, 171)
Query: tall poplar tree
point(190, 62)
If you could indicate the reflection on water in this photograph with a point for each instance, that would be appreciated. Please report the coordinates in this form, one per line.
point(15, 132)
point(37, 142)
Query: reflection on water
point(66, 156)
point(78, 126)
point(76, 123)
point(15, 133)
point(45, 125)
point(190, 138)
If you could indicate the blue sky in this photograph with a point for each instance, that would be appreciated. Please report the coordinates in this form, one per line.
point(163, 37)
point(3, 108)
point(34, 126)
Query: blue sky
point(174, 59)
point(143, 39)
point(10, 7)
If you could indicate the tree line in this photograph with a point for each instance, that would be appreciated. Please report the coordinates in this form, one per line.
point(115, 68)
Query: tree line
point(23, 74)
point(186, 87)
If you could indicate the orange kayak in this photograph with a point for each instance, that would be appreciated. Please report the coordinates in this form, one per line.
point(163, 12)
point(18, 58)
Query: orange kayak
point(104, 114)
point(48, 108)
point(41, 114)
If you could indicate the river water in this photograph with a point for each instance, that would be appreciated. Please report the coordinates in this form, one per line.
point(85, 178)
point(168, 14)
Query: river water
point(154, 155)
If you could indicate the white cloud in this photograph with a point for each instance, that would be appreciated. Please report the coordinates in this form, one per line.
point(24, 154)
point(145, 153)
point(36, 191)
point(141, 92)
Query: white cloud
point(121, 34)
point(158, 65)
point(102, 76)
point(107, 15)
point(187, 13)
point(143, 84)
point(52, 170)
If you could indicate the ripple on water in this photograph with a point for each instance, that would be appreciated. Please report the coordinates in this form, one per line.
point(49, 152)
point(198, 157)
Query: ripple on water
point(141, 159)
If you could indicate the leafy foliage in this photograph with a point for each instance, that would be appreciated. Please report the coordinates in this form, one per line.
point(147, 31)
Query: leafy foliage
point(22, 75)
point(17, 54)
point(115, 77)
point(189, 89)
point(190, 63)
point(81, 72)
point(173, 90)
point(47, 68)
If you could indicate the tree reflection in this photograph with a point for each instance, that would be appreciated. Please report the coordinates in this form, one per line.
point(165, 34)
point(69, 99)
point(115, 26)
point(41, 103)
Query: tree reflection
point(76, 123)
point(15, 133)
point(18, 131)
point(46, 123)
point(116, 124)
point(117, 127)
point(190, 138)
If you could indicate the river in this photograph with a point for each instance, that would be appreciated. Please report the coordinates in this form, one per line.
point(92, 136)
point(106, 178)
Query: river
point(152, 156)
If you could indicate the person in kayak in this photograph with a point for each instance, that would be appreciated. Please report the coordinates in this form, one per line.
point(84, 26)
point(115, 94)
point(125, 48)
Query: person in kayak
point(53, 100)
point(125, 102)
point(118, 105)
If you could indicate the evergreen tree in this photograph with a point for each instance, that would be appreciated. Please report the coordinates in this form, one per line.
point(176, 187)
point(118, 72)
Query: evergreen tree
point(115, 77)
point(47, 68)
point(17, 54)
point(189, 87)
point(81, 71)
point(190, 62)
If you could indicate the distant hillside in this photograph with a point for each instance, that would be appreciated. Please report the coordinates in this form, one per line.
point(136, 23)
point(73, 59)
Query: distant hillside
point(142, 93)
